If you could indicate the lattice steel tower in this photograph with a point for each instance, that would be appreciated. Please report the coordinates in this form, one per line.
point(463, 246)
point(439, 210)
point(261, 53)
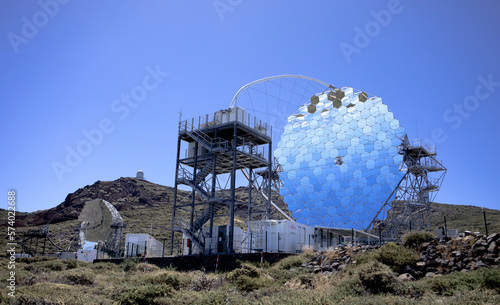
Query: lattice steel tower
point(218, 146)
point(408, 207)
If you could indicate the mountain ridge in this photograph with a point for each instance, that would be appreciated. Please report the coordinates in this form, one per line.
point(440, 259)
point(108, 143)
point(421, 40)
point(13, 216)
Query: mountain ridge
point(146, 207)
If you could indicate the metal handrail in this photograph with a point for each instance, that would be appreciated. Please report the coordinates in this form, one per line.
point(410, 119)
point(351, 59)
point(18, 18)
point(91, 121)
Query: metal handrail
point(204, 186)
point(214, 120)
point(183, 224)
point(420, 142)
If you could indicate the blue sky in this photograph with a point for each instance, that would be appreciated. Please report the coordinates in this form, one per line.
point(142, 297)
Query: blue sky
point(67, 67)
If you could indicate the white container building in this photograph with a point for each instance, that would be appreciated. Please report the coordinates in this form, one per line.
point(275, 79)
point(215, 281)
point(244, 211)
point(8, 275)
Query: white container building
point(218, 244)
point(280, 236)
point(136, 244)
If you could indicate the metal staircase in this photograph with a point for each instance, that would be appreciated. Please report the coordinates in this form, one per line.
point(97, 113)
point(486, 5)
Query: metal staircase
point(195, 236)
point(408, 206)
point(207, 169)
point(202, 220)
point(217, 146)
point(197, 183)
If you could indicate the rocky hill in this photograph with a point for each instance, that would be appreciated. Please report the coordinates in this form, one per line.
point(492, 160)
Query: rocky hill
point(146, 207)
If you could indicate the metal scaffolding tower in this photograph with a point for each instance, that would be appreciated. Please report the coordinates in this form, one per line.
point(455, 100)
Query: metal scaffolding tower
point(408, 206)
point(218, 146)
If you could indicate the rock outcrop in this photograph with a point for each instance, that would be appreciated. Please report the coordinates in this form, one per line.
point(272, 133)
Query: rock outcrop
point(437, 256)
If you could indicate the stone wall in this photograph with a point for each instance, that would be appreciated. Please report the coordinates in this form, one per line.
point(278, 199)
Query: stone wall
point(437, 256)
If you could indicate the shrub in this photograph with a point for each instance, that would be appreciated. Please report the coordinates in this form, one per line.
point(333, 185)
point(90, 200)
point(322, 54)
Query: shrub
point(213, 298)
point(488, 278)
point(52, 266)
point(349, 287)
point(291, 262)
point(365, 257)
point(491, 278)
point(395, 256)
point(80, 277)
point(378, 278)
point(35, 259)
point(73, 263)
point(443, 285)
point(308, 251)
point(246, 269)
point(304, 281)
point(172, 279)
point(57, 293)
point(247, 284)
point(129, 264)
point(144, 294)
point(105, 267)
point(141, 267)
point(416, 238)
point(202, 281)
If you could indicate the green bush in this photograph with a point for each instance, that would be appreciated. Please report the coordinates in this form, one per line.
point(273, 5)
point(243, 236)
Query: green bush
point(80, 277)
point(443, 285)
point(144, 294)
point(491, 278)
point(129, 264)
point(172, 279)
point(349, 287)
point(416, 238)
point(198, 298)
point(141, 267)
point(246, 269)
point(365, 257)
point(291, 262)
point(378, 278)
point(103, 267)
point(35, 259)
point(395, 256)
point(52, 266)
point(488, 278)
point(247, 284)
point(73, 263)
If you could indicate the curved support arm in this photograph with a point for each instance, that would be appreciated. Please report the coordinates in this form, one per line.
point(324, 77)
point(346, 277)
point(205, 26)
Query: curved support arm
point(233, 102)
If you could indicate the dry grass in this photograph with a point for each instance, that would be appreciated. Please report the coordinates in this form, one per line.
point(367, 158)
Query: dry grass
point(286, 282)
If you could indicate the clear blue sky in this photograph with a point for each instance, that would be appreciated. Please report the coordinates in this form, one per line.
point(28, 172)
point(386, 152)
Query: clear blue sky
point(66, 64)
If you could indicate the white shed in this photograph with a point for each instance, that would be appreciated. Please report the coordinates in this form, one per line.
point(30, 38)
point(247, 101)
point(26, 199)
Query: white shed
point(136, 244)
point(280, 236)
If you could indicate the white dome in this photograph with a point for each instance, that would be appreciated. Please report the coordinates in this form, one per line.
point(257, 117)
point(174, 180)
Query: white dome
point(140, 175)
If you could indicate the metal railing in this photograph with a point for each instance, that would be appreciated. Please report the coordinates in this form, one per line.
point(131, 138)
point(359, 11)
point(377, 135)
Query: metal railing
point(431, 162)
point(184, 225)
point(203, 186)
point(217, 118)
point(185, 126)
point(419, 142)
point(253, 242)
